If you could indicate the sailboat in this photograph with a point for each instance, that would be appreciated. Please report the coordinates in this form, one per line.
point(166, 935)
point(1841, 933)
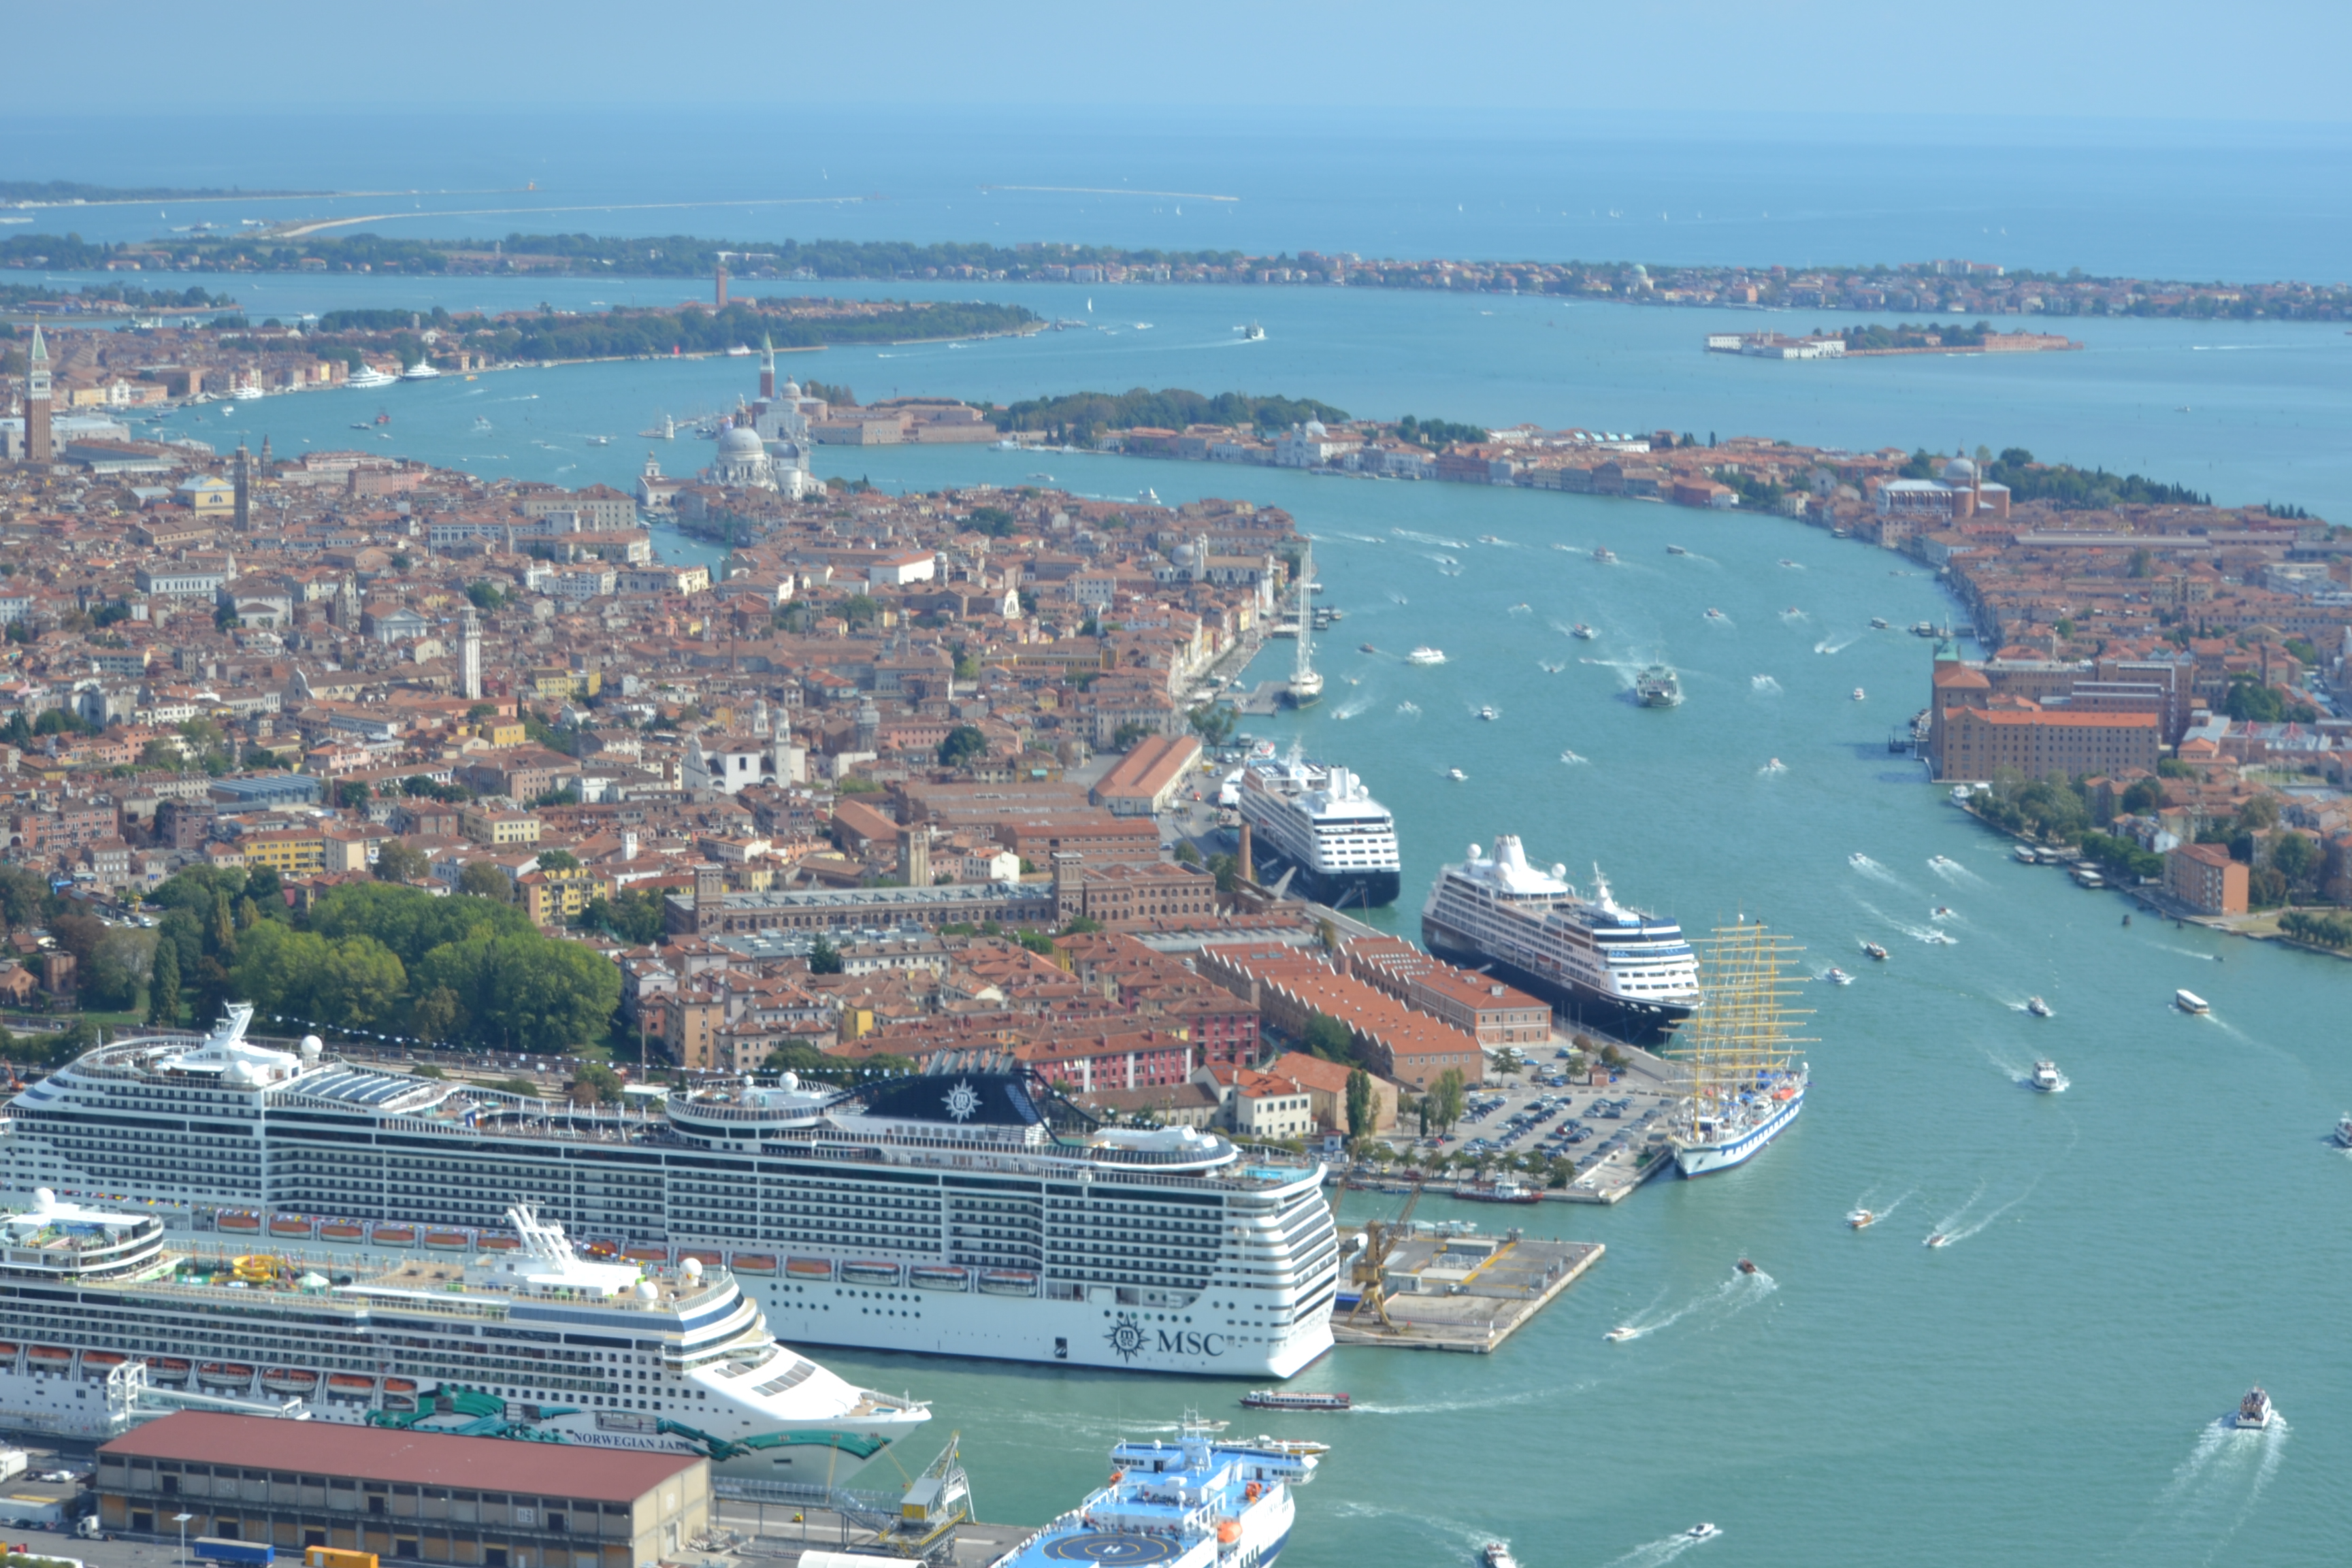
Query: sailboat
point(1745, 1083)
point(1306, 688)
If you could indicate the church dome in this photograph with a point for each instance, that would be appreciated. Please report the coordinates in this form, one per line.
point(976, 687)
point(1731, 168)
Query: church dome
point(1315, 427)
point(1959, 470)
point(737, 441)
point(792, 389)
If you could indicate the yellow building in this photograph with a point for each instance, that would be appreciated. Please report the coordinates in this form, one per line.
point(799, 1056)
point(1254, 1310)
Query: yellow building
point(496, 828)
point(296, 854)
point(548, 897)
point(210, 496)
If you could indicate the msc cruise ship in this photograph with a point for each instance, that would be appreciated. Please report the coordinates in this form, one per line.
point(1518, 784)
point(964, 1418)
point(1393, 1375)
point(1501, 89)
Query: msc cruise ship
point(529, 1340)
point(1323, 823)
point(965, 1211)
point(1604, 965)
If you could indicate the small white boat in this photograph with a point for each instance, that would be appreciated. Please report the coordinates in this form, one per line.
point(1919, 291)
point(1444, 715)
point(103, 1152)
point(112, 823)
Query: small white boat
point(2189, 1001)
point(1425, 656)
point(1676, 550)
point(1860, 696)
point(1457, 775)
point(1253, 333)
point(1715, 614)
point(2344, 1131)
point(1573, 758)
point(1701, 1532)
point(2047, 1079)
point(1861, 1219)
point(2037, 1006)
point(1581, 631)
point(1487, 714)
point(1939, 1239)
point(1837, 976)
point(1619, 1335)
point(2254, 1411)
point(1495, 1554)
point(1857, 859)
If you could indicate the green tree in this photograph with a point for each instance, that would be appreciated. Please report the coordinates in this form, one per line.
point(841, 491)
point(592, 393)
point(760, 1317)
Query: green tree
point(1186, 855)
point(484, 880)
point(558, 860)
point(525, 992)
point(634, 917)
point(1331, 1039)
point(163, 987)
point(596, 1084)
point(797, 1056)
point(1215, 722)
point(1131, 735)
point(2295, 858)
point(1451, 1098)
point(1362, 1105)
point(24, 895)
point(352, 794)
point(2143, 795)
point(824, 957)
point(267, 892)
point(397, 860)
point(485, 595)
point(963, 744)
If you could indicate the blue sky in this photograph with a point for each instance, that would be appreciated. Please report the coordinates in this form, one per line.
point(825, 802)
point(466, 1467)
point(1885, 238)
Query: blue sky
point(2165, 60)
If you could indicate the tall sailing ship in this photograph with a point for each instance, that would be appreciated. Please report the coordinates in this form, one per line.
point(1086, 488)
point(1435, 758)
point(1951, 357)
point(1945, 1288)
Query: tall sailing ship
point(105, 1318)
point(1306, 688)
point(1745, 1083)
point(968, 1210)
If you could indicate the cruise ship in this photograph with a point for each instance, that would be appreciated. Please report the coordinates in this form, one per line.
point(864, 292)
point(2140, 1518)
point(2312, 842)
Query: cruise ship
point(106, 1319)
point(969, 1210)
point(1604, 965)
point(1322, 823)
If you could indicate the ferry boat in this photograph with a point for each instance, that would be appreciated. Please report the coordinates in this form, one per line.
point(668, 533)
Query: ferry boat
point(1163, 1249)
point(1746, 1086)
point(1501, 1190)
point(538, 1344)
point(367, 375)
point(1658, 687)
point(1279, 1399)
point(1321, 821)
point(2047, 1079)
point(1196, 1502)
point(1425, 654)
point(1600, 962)
point(2189, 1001)
point(2254, 1411)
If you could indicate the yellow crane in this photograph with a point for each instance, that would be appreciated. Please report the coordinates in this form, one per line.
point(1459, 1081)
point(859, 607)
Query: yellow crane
point(1381, 1239)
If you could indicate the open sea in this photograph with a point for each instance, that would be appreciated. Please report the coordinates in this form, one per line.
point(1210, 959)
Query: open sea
point(2128, 1256)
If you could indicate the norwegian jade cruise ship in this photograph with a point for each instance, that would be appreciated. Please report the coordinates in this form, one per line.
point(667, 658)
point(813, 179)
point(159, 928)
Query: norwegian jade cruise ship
point(965, 1211)
point(103, 1321)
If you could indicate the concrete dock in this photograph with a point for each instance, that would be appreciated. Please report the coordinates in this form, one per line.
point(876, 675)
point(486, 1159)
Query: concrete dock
point(1467, 1293)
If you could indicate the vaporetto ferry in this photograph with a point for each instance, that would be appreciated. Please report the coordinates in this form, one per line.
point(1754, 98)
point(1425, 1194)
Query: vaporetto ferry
point(965, 1211)
point(102, 1324)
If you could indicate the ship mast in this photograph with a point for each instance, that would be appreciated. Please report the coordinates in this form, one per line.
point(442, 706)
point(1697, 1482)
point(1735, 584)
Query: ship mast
point(1741, 1036)
point(1305, 685)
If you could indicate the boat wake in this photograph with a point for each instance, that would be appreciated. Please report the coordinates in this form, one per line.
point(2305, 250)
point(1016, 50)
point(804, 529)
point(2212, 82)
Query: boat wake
point(2215, 1489)
point(1439, 540)
point(1502, 1401)
point(1877, 872)
point(1575, 760)
point(1965, 1222)
point(1350, 708)
point(1441, 559)
point(1836, 644)
point(1395, 598)
point(1452, 1534)
point(1728, 1299)
point(1792, 615)
point(1352, 538)
point(1657, 1555)
point(1764, 685)
point(1410, 709)
point(2186, 952)
point(1952, 871)
point(1863, 1202)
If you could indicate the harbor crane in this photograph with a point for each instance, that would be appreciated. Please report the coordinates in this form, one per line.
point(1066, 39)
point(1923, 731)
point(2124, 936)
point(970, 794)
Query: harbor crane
point(1381, 1239)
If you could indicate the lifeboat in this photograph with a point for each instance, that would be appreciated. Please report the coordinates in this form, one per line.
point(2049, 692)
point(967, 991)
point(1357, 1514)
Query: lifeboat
point(447, 1240)
point(400, 1386)
point(870, 1273)
point(752, 1262)
point(1008, 1282)
point(48, 1358)
point(400, 1402)
point(7, 1353)
point(602, 1250)
point(240, 1224)
point(342, 1230)
point(225, 1374)
point(98, 1363)
point(393, 1236)
point(938, 1276)
point(169, 1369)
point(290, 1224)
point(350, 1385)
point(500, 1242)
point(290, 1380)
point(1229, 1531)
point(709, 1256)
point(809, 1268)
point(644, 1252)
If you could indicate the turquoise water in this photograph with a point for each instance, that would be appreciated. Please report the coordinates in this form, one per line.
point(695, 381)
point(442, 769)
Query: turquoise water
point(2132, 1254)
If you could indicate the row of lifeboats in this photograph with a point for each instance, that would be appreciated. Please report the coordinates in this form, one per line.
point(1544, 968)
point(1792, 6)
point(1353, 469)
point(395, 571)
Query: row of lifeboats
point(293, 1382)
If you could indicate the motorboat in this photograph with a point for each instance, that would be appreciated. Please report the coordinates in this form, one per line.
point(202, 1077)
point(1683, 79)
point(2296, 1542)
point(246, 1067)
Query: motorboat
point(1746, 1268)
point(1581, 631)
point(2047, 1079)
point(2344, 1131)
point(1294, 1448)
point(2254, 1411)
point(1941, 911)
point(2189, 1001)
point(1878, 623)
point(1603, 554)
point(1486, 713)
point(1860, 695)
point(1861, 1219)
point(1874, 951)
point(1837, 976)
point(1701, 1532)
point(1621, 1334)
point(2025, 855)
point(1495, 1554)
point(1715, 614)
point(1786, 561)
point(1857, 859)
point(1939, 1239)
point(1425, 654)
point(1573, 758)
point(2037, 1006)
point(1457, 775)
point(1943, 863)
point(1676, 550)
point(1366, 647)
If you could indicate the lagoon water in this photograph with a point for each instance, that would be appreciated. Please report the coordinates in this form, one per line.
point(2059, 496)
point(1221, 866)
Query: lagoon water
point(2129, 1256)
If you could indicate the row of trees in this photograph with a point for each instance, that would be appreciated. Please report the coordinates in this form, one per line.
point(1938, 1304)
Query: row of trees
point(1079, 414)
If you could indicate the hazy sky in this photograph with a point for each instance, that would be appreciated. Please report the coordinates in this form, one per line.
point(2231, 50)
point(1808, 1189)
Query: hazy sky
point(2251, 60)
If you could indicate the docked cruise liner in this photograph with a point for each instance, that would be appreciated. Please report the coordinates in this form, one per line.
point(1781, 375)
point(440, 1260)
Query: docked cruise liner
point(1322, 821)
point(966, 1211)
point(532, 1341)
point(1613, 968)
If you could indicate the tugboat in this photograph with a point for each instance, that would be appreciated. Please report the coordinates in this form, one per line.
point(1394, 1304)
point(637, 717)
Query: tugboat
point(2037, 1006)
point(2048, 1080)
point(1284, 1399)
point(1874, 951)
point(1861, 1219)
point(2255, 1412)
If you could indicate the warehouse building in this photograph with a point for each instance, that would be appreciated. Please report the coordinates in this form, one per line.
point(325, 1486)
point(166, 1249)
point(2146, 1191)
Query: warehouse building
point(405, 1496)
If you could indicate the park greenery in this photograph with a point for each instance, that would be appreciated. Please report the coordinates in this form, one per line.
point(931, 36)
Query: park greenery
point(2071, 489)
point(1437, 432)
point(1079, 415)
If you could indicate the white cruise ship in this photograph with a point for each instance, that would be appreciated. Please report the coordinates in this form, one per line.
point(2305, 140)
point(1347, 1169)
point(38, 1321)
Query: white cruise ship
point(530, 1342)
point(968, 1211)
point(1322, 821)
point(1613, 968)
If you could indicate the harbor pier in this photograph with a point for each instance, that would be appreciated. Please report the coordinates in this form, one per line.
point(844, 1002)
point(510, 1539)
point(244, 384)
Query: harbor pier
point(1467, 1293)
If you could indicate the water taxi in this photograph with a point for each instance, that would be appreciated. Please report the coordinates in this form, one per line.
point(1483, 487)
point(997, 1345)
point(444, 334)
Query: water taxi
point(2344, 1131)
point(1495, 1554)
point(1701, 1532)
point(2254, 1411)
point(1939, 1239)
point(1874, 951)
point(1619, 1335)
point(2047, 1079)
point(1837, 976)
point(1581, 631)
point(2037, 1006)
point(1861, 1219)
